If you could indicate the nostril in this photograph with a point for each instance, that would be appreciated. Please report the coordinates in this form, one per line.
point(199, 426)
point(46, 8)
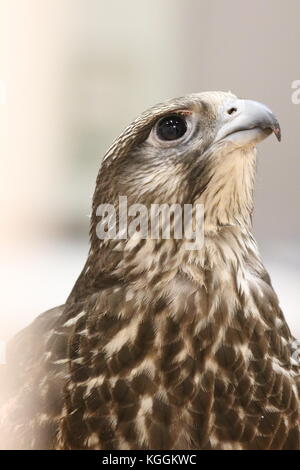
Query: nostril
point(232, 111)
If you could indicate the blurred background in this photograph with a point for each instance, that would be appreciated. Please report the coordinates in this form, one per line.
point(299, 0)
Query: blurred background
point(73, 73)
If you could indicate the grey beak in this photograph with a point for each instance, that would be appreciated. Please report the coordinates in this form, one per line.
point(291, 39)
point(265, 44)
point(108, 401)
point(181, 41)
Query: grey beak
point(258, 115)
point(247, 121)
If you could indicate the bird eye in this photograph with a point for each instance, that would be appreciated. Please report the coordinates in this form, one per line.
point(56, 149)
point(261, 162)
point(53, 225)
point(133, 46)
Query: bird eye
point(171, 127)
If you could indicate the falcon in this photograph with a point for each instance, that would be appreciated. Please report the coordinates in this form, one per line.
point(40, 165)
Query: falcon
point(158, 346)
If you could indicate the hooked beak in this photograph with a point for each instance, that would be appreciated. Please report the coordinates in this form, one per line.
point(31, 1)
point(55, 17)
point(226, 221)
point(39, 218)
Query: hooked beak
point(246, 122)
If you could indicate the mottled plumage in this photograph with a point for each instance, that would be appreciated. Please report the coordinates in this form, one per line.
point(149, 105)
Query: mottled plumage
point(158, 347)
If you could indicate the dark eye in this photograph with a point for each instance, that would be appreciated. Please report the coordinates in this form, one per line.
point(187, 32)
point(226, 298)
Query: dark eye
point(171, 127)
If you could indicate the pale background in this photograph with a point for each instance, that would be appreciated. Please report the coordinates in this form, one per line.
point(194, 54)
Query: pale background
point(73, 73)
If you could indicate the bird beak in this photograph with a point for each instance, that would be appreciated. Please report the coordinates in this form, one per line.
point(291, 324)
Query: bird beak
point(246, 122)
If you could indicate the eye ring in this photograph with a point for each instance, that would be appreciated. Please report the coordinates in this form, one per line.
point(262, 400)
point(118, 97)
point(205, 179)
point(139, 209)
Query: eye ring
point(171, 128)
point(187, 130)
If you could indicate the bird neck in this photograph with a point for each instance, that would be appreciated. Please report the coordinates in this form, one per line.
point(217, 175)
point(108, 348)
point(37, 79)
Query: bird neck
point(228, 197)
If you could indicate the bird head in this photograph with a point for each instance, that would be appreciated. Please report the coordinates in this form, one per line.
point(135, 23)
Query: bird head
point(197, 148)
